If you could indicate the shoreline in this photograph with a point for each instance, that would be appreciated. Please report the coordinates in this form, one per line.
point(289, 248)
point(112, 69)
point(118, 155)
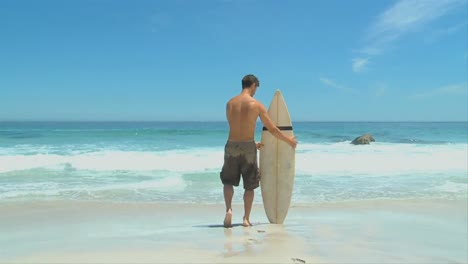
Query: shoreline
point(145, 203)
point(378, 231)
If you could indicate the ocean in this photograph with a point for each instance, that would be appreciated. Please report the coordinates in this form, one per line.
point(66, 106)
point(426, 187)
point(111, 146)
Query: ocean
point(179, 162)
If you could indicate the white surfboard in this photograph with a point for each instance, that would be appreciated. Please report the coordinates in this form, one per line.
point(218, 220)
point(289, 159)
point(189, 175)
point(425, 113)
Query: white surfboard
point(277, 163)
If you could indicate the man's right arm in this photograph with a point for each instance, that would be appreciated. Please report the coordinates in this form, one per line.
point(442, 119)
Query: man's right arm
point(275, 131)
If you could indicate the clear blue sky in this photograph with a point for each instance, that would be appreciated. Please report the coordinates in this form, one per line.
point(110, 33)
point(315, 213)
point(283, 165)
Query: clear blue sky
point(182, 60)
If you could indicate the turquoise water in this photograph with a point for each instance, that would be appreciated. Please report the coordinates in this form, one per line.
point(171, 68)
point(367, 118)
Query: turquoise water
point(180, 161)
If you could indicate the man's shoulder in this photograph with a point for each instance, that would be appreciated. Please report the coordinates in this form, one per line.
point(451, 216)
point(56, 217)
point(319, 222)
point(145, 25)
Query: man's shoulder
point(257, 102)
point(232, 100)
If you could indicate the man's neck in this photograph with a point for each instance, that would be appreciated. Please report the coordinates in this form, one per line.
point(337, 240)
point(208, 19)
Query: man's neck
point(247, 91)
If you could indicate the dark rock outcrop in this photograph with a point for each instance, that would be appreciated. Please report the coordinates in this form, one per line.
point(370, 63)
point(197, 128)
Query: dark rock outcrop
point(364, 139)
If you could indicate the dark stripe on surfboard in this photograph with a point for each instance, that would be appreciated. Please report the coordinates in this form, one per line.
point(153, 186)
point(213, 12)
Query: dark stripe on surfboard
point(282, 128)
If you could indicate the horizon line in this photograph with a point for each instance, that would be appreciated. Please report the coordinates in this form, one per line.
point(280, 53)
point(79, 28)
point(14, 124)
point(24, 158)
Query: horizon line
point(218, 121)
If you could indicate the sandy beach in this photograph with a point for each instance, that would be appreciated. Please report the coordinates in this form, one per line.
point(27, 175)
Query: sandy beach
point(381, 231)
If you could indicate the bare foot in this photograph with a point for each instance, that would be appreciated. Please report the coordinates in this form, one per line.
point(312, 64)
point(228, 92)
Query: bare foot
point(246, 222)
point(227, 219)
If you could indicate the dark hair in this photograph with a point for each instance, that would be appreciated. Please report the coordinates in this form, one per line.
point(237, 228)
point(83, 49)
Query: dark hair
point(248, 80)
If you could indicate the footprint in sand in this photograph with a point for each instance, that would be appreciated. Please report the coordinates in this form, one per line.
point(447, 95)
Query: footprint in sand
point(298, 260)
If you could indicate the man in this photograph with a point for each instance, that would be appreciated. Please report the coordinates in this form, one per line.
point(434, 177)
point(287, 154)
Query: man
point(240, 152)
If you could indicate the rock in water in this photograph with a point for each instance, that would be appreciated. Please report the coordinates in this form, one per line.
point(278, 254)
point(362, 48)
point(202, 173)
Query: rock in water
point(364, 139)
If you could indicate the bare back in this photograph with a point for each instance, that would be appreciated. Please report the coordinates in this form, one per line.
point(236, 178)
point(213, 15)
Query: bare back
point(242, 113)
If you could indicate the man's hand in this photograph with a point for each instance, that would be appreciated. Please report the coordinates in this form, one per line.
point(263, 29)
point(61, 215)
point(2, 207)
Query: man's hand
point(259, 145)
point(292, 142)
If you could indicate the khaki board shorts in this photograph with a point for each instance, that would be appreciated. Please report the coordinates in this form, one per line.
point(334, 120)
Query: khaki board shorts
point(240, 158)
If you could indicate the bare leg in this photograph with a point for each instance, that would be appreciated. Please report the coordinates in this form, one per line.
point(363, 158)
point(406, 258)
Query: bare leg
point(248, 201)
point(228, 194)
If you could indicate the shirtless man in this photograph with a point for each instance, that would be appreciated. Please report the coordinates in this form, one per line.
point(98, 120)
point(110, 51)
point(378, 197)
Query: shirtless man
point(240, 152)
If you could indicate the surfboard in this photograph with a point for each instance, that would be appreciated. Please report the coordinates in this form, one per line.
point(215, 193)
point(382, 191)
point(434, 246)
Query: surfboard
point(277, 163)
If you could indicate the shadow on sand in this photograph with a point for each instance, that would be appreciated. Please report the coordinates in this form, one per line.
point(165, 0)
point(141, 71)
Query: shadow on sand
point(222, 226)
